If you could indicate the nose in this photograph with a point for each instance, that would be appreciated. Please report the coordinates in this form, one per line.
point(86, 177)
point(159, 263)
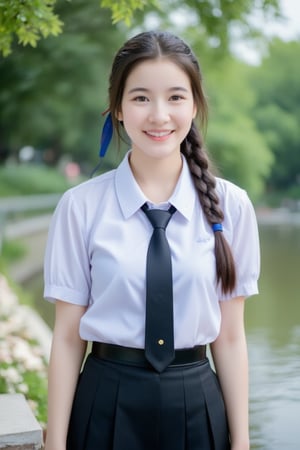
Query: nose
point(159, 113)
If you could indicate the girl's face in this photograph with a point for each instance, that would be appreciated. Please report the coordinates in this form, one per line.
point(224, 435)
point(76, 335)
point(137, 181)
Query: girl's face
point(157, 108)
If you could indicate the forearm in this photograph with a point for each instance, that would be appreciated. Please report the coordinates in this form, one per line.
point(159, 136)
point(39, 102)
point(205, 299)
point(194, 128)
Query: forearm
point(231, 362)
point(67, 354)
point(65, 362)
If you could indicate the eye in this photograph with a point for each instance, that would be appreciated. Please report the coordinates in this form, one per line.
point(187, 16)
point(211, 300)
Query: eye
point(140, 98)
point(176, 98)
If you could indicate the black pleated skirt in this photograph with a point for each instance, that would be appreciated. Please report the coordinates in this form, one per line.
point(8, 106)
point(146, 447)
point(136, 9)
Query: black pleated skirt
point(124, 407)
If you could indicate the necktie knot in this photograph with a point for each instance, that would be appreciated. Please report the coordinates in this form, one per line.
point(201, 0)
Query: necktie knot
point(159, 218)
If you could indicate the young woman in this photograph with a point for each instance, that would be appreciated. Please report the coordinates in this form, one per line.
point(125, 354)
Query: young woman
point(95, 271)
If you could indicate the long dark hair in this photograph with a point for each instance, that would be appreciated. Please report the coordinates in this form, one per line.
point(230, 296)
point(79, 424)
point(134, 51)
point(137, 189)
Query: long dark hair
point(152, 45)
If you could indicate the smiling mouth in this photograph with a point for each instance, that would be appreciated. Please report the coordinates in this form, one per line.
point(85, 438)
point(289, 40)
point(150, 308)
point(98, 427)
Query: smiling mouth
point(159, 134)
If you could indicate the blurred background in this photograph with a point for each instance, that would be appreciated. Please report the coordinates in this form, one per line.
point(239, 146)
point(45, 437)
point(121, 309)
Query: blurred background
point(54, 67)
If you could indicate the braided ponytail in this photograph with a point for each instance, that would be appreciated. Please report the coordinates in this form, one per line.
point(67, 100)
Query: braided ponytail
point(205, 184)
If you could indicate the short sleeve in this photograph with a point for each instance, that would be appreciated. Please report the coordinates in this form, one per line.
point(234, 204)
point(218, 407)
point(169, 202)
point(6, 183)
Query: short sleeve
point(241, 232)
point(66, 265)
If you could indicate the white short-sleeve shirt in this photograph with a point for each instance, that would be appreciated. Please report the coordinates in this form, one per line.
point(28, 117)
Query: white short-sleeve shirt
point(96, 257)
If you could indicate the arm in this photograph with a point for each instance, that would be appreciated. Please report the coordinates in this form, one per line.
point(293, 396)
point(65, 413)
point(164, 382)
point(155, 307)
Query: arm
point(66, 358)
point(230, 358)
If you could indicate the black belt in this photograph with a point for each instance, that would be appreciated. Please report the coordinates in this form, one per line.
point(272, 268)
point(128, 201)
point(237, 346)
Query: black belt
point(117, 353)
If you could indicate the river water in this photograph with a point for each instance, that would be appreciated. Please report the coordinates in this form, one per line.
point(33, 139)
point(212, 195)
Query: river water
point(273, 332)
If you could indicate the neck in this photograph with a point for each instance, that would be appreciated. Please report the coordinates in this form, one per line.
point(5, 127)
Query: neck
point(157, 177)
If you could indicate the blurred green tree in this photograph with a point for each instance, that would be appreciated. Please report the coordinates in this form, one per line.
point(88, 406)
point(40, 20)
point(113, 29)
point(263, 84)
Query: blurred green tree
point(51, 97)
point(29, 21)
point(277, 111)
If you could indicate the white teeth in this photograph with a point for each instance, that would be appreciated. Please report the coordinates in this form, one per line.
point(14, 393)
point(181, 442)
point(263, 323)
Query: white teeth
point(158, 133)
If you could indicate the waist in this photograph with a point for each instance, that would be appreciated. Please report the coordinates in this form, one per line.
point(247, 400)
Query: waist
point(136, 356)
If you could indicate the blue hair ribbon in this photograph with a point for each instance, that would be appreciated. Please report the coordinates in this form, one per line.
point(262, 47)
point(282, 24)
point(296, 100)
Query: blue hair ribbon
point(217, 227)
point(106, 135)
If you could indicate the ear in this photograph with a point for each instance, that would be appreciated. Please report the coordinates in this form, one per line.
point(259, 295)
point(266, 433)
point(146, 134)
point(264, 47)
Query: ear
point(119, 116)
point(195, 111)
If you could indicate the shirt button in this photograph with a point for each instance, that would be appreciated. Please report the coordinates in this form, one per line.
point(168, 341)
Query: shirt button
point(160, 342)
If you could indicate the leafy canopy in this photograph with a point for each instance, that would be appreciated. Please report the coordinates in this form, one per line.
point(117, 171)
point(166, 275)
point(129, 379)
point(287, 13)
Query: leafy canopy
point(123, 10)
point(29, 21)
point(51, 97)
point(277, 111)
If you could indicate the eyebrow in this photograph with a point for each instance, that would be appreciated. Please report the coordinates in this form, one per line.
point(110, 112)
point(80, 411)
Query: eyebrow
point(172, 89)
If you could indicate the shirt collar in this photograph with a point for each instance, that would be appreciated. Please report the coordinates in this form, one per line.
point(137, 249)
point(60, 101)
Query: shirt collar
point(131, 198)
point(184, 195)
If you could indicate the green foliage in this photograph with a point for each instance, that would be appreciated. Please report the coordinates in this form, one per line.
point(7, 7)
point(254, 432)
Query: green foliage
point(23, 368)
point(38, 389)
point(124, 10)
point(240, 152)
point(52, 97)
point(11, 251)
point(31, 179)
point(30, 382)
point(277, 111)
point(293, 193)
point(211, 19)
point(29, 21)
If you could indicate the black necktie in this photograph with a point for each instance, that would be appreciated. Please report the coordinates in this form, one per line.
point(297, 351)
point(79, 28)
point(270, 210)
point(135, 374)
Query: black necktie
point(159, 328)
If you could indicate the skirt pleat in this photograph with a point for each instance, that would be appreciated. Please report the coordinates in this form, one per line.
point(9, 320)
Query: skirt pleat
point(197, 425)
point(172, 407)
point(95, 397)
point(137, 413)
point(216, 411)
point(124, 407)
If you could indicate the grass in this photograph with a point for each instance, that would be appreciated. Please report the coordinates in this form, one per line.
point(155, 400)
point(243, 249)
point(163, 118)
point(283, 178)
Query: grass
point(11, 252)
point(18, 180)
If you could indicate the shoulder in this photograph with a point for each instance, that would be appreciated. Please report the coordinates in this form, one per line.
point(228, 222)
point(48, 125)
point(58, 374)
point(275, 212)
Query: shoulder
point(227, 189)
point(89, 191)
point(234, 201)
point(230, 195)
point(95, 184)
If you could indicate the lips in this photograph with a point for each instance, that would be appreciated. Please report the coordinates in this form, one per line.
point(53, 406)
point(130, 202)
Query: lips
point(162, 134)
